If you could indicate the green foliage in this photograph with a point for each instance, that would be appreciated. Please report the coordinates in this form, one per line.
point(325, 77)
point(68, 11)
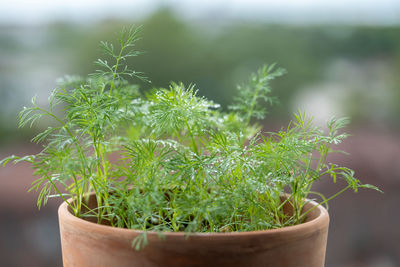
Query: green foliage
point(113, 72)
point(183, 164)
point(178, 108)
point(251, 96)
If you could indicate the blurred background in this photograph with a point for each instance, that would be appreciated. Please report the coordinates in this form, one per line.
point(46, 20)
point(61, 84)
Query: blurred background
point(342, 58)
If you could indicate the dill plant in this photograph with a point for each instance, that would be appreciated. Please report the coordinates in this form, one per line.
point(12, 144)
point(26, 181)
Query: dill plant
point(183, 164)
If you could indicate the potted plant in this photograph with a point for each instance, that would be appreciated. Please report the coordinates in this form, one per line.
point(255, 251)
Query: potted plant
point(168, 178)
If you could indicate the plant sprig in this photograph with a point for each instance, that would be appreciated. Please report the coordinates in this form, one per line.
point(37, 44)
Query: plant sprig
point(250, 102)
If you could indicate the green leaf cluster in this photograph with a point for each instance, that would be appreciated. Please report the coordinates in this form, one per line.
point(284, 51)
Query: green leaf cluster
point(170, 160)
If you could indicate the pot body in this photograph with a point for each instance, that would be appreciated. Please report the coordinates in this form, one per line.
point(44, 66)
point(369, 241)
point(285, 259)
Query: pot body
point(87, 244)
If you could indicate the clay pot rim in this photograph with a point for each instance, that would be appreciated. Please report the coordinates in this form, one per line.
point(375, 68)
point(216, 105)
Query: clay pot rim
point(319, 221)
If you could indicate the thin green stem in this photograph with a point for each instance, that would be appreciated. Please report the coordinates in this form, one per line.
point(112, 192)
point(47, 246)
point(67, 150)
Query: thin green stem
point(325, 201)
point(194, 144)
point(76, 212)
point(253, 103)
point(116, 68)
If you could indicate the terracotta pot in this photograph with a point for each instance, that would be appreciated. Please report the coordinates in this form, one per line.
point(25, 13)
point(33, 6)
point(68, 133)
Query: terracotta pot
point(87, 244)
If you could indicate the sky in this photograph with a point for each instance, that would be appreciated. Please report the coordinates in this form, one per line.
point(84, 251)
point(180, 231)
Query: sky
point(29, 12)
